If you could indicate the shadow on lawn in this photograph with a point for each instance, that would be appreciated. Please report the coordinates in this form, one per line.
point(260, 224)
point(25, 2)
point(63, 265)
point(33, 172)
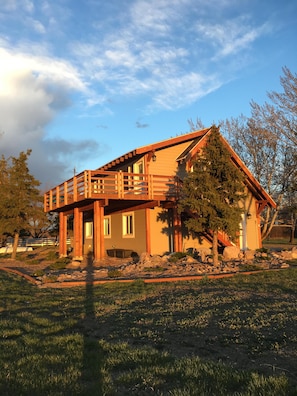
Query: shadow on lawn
point(92, 353)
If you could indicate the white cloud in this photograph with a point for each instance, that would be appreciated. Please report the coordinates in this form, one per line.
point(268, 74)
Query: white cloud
point(32, 91)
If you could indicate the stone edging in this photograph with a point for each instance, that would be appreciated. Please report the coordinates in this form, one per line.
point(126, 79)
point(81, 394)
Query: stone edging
point(69, 284)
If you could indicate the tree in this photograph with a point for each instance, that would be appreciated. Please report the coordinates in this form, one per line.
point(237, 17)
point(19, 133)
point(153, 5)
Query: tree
point(19, 195)
point(212, 191)
point(282, 114)
point(267, 143)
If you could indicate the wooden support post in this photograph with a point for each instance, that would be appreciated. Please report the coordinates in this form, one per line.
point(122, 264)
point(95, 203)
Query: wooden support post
point(78, 234)
point(99, 252)
point(177, 231)
point(148, 231)
point(62, 234)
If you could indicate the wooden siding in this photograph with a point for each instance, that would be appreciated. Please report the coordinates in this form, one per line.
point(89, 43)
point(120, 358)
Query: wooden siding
point(166, 159)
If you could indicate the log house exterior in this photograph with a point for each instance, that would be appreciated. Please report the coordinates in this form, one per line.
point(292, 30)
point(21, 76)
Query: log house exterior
point(130, 203)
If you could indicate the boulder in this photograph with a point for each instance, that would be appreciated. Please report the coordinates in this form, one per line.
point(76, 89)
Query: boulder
point(249, 254)
point(286, 254)
point(203, 252)
point(294, 252)
point(144, 258)
point(191, 260)
point(74, 264)
point(156, 261)
point(284, 265)
point(231, 253)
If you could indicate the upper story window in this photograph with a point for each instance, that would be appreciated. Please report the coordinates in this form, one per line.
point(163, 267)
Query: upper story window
point(138, 167)
point(128, 225)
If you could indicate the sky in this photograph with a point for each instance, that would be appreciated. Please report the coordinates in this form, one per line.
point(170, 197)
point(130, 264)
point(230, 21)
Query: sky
point(85, 81)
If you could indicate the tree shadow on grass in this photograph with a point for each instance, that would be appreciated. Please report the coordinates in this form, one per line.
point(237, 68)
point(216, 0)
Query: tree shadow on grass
point(92, 353)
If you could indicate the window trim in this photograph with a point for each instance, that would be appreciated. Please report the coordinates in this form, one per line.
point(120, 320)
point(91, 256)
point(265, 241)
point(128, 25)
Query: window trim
point(125, 226)
point(108, 219)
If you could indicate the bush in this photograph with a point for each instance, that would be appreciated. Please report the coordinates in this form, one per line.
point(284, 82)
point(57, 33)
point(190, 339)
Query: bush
point(52, 255)
point(61, 263)
point(38, 273)
point(49, 279)
point(176, 256)
point(154, 269)
point(114, 273)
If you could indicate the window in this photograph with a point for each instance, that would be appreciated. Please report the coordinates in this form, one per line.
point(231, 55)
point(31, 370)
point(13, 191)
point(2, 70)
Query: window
point(89, 229)
point(128, 225)
point(106, 226)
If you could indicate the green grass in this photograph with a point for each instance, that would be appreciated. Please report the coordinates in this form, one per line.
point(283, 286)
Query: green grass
point(234, 336)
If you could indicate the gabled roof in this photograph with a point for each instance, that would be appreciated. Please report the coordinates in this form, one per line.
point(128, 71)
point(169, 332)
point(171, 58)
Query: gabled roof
point(197, 135)
point(197, 140)
point(251, 181)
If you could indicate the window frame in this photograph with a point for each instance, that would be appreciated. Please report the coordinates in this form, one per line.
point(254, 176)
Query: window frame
point(128, 226)
point(107, 219)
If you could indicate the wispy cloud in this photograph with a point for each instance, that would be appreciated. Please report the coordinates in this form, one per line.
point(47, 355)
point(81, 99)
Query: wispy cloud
point(169, 52)
point(230, 37)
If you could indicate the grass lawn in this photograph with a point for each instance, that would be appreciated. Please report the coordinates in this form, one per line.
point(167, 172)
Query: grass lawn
point(235, 336)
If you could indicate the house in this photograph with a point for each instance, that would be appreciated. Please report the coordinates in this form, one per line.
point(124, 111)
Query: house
point(130, 204)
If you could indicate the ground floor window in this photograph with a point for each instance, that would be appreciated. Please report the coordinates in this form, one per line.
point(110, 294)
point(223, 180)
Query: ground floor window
point(89, 229)
point(107, 226)
point(128, 225)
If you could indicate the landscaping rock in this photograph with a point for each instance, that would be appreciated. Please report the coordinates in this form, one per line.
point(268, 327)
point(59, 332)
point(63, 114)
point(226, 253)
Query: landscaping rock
point(203, 253)
point(144, 258)
point(294, 252)
point(286, 254)
point(231, 253)
point(74, 264)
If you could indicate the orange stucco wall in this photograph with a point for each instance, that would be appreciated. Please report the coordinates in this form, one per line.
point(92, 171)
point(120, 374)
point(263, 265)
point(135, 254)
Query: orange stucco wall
point(136, 243)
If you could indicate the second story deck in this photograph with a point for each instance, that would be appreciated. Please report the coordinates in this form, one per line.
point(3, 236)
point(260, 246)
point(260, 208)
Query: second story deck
point(91, 185)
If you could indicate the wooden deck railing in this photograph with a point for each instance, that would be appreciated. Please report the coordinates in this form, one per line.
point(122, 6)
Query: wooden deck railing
point(110, 185)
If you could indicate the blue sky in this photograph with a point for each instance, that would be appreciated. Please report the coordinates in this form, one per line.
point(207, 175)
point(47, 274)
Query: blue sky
point(84, 81)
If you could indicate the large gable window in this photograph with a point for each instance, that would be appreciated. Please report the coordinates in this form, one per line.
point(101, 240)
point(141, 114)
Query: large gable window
point(128, 225)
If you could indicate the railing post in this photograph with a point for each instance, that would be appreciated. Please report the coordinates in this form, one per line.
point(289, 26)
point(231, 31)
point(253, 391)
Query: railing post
point(51, 199)
point(74, 189)
point(150, 187)
point(45, 206)
point(86, 184)
point(120, 184)
point(65, 193)
point(57, 196)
